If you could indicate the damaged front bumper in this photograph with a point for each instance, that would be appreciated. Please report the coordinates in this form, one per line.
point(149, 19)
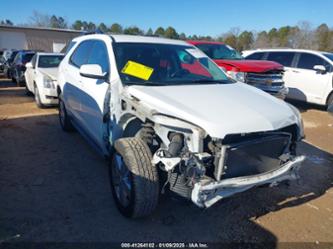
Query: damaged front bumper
point(206, 194)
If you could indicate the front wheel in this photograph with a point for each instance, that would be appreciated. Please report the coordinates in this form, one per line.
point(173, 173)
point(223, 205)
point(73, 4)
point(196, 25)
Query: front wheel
point(330, 102)
point(134, 180)
point(64, 119)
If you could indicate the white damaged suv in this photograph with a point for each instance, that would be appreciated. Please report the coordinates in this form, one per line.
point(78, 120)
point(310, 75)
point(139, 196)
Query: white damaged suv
point(169, 119)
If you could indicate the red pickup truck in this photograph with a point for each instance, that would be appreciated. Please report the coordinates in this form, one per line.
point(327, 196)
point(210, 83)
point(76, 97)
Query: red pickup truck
point(266, 75)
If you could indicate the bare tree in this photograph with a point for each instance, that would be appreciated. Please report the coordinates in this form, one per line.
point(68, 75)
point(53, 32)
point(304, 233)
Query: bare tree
point(40, 20)
point(304, 37)
point(261, 40)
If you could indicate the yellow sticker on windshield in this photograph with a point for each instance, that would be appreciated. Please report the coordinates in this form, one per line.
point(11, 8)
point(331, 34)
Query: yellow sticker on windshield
point(137, 70)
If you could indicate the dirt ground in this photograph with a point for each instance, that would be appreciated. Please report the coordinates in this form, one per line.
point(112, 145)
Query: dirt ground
point(55, 188)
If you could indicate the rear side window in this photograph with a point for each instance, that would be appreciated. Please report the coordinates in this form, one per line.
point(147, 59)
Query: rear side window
point(99, 55)
point(255, 56)
point(284, 58)
point(81, 53)
point(308, 61)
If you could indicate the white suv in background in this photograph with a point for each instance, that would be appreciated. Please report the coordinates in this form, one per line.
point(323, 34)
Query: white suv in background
point(308, 74)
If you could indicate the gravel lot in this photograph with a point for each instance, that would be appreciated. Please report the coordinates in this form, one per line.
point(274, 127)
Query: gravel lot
point(55, 188)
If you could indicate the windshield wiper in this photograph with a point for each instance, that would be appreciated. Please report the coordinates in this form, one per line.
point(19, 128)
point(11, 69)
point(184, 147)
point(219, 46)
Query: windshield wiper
point(145, 83)
point(172, 83)
point(211, 81)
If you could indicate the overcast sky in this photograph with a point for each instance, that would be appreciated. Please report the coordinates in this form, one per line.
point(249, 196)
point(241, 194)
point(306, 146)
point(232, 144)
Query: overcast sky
point(201, 17)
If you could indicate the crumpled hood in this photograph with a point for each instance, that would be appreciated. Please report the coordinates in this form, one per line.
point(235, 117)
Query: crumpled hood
point(255, 66)
point(52, 72)
point(218, 109)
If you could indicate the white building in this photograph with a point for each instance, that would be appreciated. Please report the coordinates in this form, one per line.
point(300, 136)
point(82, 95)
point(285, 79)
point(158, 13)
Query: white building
point(45, 39)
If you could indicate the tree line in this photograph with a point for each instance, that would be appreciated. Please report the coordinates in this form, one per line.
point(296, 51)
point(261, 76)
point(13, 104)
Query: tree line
point(302, 35)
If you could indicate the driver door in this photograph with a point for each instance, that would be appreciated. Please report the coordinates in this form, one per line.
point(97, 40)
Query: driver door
point(94, 95)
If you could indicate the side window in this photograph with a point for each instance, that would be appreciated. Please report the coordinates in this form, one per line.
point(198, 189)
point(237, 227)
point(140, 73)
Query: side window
point(99, 55)
point(255, 56)
point(81, 53)
point(284, 58)
point(308, 61)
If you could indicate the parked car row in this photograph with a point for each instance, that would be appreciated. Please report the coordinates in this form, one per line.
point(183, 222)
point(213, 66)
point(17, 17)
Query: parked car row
point(14, 64)
point(36, 70)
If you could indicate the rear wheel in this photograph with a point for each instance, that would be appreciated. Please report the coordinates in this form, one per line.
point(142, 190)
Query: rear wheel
point(64, 119)
point(134, 180)
point(330, 100)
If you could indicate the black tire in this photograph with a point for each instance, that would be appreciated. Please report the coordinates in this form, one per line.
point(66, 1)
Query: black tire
point(16, 78)
point(27, 91)
point(143, 194)
point(64, 119)
point(330, 100)
point(8, 76)
point(37, 98)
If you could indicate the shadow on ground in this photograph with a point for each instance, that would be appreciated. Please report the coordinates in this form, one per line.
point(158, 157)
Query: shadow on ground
point(304, 107)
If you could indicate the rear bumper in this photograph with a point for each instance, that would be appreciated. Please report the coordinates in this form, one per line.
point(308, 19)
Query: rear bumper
point(206, 194)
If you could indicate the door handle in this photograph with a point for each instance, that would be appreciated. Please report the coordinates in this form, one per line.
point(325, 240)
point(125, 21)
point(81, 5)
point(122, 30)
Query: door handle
point(295, 71)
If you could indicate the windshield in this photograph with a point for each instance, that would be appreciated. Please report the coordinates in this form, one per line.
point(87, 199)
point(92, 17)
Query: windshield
point(12, 56)
point(329, 56)
point(220, 51)
point(46, 61)
point(165, 64)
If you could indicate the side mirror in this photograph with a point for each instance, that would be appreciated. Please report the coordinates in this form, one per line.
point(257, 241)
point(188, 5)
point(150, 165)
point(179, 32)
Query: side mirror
point(93, 71)
point(320, 68)
point(28, 65)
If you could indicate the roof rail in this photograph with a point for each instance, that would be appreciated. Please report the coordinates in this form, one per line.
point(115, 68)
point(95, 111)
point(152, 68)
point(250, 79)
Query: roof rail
point(272, 48)
point(96, 31)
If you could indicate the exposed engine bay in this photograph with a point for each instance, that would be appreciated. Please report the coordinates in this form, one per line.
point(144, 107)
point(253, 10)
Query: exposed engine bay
point(197, 170)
